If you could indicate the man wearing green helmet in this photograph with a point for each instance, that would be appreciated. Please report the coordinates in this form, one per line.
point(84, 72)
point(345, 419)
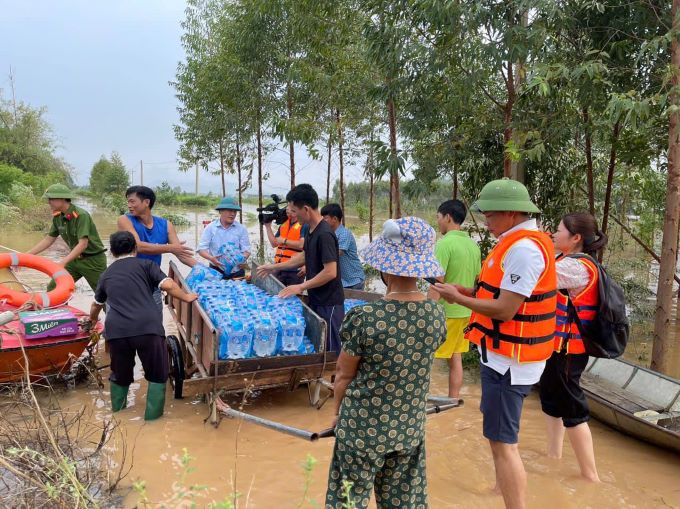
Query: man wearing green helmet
point(74, 225)
point(513, 322)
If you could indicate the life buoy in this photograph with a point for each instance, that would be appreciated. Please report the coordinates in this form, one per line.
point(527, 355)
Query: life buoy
point(63, 291)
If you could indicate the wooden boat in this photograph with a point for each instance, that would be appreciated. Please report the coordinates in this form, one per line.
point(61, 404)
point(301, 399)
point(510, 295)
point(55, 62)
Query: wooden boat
point(634, 400)
point(48, 356)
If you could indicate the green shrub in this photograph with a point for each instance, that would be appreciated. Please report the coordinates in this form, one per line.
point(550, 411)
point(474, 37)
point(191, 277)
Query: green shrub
point(109, 176)
point(192, 200)
point(116, 203)
point(10, 175)
point(176, 219)
point(8, 212)
point(362, 211)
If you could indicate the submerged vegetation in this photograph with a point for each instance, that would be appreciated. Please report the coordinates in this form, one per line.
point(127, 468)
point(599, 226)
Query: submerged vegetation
point(56, 457)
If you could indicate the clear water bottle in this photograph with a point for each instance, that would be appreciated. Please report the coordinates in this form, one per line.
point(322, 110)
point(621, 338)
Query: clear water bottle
point(239, 340)
point(292, 334)
point(264, 338)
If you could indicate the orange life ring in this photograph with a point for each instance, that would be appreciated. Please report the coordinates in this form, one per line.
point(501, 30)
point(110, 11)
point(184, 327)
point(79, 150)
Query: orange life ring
point(62, 293)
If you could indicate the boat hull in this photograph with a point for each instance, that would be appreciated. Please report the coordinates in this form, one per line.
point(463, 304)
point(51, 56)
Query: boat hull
point(43, 360)
point(635, 401)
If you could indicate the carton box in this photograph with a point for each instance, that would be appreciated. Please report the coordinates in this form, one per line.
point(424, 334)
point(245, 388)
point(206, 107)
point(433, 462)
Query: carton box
point(48, 323)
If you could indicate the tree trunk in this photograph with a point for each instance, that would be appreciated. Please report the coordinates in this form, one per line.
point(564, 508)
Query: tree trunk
point(395, 198)
point(289, 106)
point(589, 162)
point(370, 169)
point(371, 203)
point(455, 183)
point(517, 166)
point(224, 186)
point(328, 174)
point(240, 180)
point(259, 179)
point(342, 164)
point(507, 120)
point(610, 179)
point(661, 358)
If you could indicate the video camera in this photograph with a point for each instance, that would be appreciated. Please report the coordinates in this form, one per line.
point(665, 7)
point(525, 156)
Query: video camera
point(272, 212)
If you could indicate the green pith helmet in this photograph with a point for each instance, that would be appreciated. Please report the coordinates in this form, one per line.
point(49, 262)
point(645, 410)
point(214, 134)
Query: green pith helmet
point(504, 195)
point(58, 191)
point(227, 203)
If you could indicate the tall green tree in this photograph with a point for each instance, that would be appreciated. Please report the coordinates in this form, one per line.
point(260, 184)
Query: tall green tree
point(109, 176)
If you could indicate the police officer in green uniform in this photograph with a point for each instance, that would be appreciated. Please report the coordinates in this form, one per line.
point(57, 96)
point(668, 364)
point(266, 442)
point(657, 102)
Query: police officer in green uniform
point(87, 257)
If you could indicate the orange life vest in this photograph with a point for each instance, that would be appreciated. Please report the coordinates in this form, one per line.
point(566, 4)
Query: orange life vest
point(285, 253)
point(529, 335)
point(567, 335)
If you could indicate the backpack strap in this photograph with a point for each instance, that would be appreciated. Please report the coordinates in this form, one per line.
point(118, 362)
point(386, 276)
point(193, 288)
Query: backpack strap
point(572, 314)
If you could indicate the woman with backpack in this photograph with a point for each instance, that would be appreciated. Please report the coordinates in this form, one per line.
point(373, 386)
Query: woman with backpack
point(562, 398)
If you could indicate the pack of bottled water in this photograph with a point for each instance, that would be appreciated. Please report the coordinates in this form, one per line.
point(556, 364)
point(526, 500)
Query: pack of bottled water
point(352, 303)
point(200, 273)
point(252, 323)
point(231, 257)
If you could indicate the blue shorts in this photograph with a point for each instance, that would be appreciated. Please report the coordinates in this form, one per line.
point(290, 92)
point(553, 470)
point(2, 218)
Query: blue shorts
point(501, 405)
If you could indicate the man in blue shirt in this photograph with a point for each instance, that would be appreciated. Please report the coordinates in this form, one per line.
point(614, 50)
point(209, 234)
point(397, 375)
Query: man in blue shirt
point(222, 231)
point(351, 270)
point(154, 235)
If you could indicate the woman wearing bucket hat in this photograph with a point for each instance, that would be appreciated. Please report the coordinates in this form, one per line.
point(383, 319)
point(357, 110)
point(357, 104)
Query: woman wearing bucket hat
point(225, 233)
point(383, 376)
point(512, 322)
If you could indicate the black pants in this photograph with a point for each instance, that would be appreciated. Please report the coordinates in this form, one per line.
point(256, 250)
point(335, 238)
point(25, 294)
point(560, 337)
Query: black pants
point(333, 315)
point(239, 273)
point(289, 277)
point(561, 393)
point(152, 351)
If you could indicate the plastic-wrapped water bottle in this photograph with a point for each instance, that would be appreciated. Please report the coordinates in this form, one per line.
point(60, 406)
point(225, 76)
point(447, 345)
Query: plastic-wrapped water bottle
point(265, 337)
point(236, 340)
point(292, 334)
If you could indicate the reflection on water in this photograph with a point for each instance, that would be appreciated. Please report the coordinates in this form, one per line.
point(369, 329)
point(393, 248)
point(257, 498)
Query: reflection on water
point(267, 471)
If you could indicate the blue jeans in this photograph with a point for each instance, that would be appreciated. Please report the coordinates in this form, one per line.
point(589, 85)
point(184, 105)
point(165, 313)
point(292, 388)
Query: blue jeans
point(358, 286)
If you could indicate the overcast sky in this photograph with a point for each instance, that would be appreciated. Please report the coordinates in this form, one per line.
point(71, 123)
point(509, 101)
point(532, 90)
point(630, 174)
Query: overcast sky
point(102, 70)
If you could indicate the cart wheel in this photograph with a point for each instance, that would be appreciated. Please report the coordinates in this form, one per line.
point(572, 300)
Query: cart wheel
point(176, 365)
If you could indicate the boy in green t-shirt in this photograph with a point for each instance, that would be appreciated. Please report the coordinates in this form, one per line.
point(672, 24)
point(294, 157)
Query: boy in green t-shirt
point(74, 225)
point(460, 257)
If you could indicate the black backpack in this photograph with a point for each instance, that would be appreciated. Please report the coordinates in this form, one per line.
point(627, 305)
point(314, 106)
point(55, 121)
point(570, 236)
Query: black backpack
point(606, 335)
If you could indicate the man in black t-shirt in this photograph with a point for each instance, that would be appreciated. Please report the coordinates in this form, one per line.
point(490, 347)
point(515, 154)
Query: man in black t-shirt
point(320, 256)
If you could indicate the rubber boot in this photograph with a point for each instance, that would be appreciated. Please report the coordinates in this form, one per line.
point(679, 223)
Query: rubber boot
point(118, 396)
point(155, 401)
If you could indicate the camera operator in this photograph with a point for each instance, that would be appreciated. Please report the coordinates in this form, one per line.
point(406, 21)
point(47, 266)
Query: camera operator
point(288, 241)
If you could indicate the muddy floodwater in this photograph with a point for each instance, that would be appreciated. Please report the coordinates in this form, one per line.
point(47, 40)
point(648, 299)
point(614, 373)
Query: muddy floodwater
point(266, 467)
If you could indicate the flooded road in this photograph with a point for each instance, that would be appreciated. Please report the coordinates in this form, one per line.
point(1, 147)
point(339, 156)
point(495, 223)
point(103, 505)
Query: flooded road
point(266, 468)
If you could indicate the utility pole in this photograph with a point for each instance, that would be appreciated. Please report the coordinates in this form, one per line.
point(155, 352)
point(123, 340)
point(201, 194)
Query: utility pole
point(141, 172)
point(196, 178)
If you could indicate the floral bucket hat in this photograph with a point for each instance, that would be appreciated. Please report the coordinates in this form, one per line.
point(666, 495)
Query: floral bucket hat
point(405, 248)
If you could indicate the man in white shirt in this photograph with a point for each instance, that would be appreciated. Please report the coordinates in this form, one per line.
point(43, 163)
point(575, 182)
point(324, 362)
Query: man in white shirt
point(513, 322)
